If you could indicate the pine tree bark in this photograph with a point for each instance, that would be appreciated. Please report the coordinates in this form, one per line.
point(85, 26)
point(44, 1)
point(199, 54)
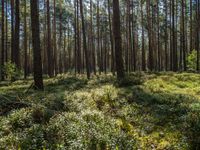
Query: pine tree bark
point(191, 26)
point(111, 40)
point(84, 41)
point(49, 47)
point(6, 40)
point(12, 32)
point(166, 37)
point(92, 47)
point(16, 39)
point(117, 37)
point(25, 43)
point(55, 39)
point(197, 34)
point(143, 48)
point(149, 22)
point(174, 52)
point(2, 41)
point(78, 57)
point(38, 80)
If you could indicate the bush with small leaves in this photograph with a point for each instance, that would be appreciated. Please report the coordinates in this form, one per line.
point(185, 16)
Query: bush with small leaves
point(192, 61)
point(11, 71)
point(87, 130)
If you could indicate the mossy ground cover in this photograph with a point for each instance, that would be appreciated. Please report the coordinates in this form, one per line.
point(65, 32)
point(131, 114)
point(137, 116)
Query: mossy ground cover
point(145, 111)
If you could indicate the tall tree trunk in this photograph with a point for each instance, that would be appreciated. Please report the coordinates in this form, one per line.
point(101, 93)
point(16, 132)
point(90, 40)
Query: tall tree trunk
point(60, 39)
point(166, 37)
point(6, 48)
point(25, 43)
point(98, 37)
point(12, 32)
point(197, 33)
point(49, 48)
point(75, 36)
point(55, 39)
point(183, 35)
point(79, 58)
point(45, 58)
point(16, 40)
point(84, 40)
point(143, 48)
point(175, 66)
point(38, 80)
point(2, 41)
point(111, 40)
point(149, 22)
point(117, 37)
point(93, 52)
point(158, 38)
point(191, 26)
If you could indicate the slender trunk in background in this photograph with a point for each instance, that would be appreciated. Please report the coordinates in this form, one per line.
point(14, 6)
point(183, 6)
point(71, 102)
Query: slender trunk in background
point(143, 48)
point(55, 39)
point(84, 40)
point(2, 41)
point(183, 36)
point(117, 37)
point(111, 40)
point(93, 52)
point(191, 26)
point(25, 43)
point(98, 37)
point(6, 48)
point(149, 22)
point(158, 39)
point(12, 31)
point(174, 52)
point(75, 37)
point(60, 39)
point(16, 40)
point(65, 54)
point(49, 48)
point(166, 37)
point(78, 57)
point(197, 33)
point(45, 58)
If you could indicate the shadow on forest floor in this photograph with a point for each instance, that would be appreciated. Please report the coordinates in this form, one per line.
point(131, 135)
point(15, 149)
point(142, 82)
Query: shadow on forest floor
point(162, 111)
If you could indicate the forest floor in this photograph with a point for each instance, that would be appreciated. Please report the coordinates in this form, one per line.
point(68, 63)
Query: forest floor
point(145, 111)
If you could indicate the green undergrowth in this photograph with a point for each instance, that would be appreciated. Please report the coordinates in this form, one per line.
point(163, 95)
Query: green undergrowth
point(144, 111)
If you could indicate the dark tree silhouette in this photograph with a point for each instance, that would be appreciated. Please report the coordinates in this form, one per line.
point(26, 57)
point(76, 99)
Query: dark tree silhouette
point(38, 80)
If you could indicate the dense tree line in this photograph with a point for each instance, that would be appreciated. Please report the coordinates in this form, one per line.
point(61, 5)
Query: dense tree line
point(98, 36)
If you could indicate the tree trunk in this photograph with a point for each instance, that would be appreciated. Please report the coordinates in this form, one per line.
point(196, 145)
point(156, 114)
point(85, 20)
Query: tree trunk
point(12, 32)
point(38, 80)
point(151, 58)
point(174, 52)
point(143, 48)
point(117, 37)
point(55, 39)
point(49, 49)
point(111, 40)
point(84, 40)
point(25, 43)
point(16, 40)
point(197, 33)
point(2, 41)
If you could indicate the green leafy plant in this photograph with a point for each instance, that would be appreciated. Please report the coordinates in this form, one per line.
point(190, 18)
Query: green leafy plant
point(191, 61)
point(11, 71)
